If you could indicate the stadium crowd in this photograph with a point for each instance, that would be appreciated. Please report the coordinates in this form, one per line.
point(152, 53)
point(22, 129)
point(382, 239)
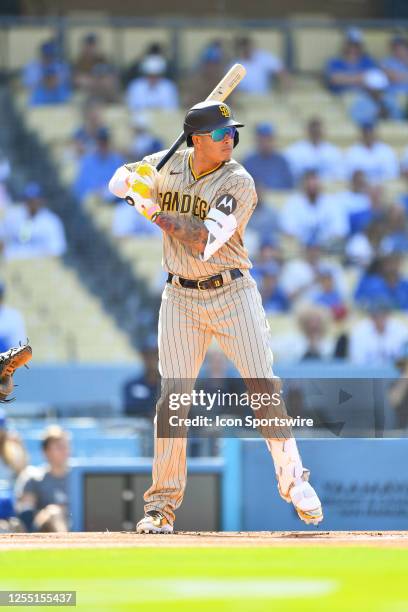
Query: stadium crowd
point(328, 243)
point(322, 254)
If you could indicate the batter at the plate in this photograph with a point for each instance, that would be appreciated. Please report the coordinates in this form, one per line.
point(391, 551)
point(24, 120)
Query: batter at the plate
point(202, 200)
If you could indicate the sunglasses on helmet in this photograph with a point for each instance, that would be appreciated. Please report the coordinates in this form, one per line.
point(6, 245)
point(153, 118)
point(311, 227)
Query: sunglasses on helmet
point(220, 133)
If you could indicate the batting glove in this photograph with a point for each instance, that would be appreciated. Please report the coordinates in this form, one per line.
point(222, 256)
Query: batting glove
point(142, 186)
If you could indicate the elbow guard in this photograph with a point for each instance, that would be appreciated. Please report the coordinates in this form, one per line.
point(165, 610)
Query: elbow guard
point(220, 229)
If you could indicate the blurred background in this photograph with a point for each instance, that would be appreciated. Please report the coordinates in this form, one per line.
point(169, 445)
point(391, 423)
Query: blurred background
point(325, 107)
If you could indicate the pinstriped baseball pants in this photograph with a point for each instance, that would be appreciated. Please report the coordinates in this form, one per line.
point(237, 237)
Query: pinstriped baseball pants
point(188, 321)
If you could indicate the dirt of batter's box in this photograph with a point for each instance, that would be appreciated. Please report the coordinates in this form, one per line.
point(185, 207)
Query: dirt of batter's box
point(228, 539)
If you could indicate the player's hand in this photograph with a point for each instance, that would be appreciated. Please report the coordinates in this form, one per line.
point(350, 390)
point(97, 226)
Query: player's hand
point(118, 185)
point(141, 193)
point(120, 181)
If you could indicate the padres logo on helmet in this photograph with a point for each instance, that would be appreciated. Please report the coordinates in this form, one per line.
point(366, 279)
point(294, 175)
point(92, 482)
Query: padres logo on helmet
point(225, 111)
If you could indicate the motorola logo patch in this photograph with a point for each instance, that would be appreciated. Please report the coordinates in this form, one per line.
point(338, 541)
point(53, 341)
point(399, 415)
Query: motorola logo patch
point(226, 204)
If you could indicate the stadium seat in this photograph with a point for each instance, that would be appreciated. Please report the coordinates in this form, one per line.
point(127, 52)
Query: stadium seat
point(394, 133)
point(314, 46)
point(133, 42)
point(269, 39)
point(142, 253)
point(276, 199)
point(53, 123)
point(22, 44)
point(394, 189)
point(378, 41)
point(72, 326)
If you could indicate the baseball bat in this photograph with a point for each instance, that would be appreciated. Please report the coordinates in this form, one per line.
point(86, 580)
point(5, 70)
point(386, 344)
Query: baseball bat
point(220, 93)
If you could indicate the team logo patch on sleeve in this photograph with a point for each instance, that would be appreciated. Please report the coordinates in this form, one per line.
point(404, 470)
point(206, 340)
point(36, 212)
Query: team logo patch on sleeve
point(226, 204)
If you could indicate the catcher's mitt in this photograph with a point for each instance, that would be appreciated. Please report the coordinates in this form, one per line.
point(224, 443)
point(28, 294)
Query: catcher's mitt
point(9, 362)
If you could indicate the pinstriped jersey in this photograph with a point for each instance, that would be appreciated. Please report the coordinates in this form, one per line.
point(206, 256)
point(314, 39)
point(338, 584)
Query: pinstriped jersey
point(228, 187)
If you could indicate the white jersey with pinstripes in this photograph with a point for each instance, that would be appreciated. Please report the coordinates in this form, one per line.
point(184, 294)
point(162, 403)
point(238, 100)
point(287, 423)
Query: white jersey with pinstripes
point(181, 192)
point(189, 318)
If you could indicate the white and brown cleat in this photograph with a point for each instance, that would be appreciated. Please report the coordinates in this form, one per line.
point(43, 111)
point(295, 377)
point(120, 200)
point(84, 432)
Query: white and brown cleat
point(154, 522)
point(305, 500)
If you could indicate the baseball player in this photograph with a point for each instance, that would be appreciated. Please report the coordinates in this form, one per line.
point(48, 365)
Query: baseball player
point(202, 200)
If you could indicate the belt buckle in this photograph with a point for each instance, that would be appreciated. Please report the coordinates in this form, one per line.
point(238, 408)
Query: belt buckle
point(203, 280)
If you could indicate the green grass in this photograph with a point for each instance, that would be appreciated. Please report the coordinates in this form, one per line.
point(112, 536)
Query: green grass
point(236, 580)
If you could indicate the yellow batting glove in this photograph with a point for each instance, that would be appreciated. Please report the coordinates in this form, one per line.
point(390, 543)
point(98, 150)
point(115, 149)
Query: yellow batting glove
point(142, 183)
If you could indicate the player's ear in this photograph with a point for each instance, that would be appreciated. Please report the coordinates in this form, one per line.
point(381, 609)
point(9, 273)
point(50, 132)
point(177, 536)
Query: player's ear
point(196, 141)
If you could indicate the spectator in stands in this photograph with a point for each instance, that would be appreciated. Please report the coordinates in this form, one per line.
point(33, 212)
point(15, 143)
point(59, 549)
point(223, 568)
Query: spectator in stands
point(310, 341)
point(152, 90)
point(376, 159)
point(42, 493)
point(90, 55)
point(13, 460)
point(403, 197)
point(346, 72)
point(105, 84)
point(300, 275)
point(5, 169)
point(96, 169)
point(261, 67)
point(361, 202)
point(383, 281)
point(47, 78)
point(267, 166)
point(12, 328)
point(273, 297)
point(375, 101)
point(85, 137)
point(313, 322)
point(93, 73)
point(140, 394)
point(32, 230)
point(268, 252)
point(326, 292)
point(144, 141)
point(264, 220)
point(396, 64)
point(49, 90)
point(155, 50)
point(213, 52)
point(316, 152)
point(367, 244)
point(396, 238)
point(127, 223)
point(210, 69)
point(377, 339)
point(311, 214)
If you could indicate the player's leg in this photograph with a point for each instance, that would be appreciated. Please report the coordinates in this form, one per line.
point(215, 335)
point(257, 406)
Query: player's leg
point(244, 336)
point(184, 337)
